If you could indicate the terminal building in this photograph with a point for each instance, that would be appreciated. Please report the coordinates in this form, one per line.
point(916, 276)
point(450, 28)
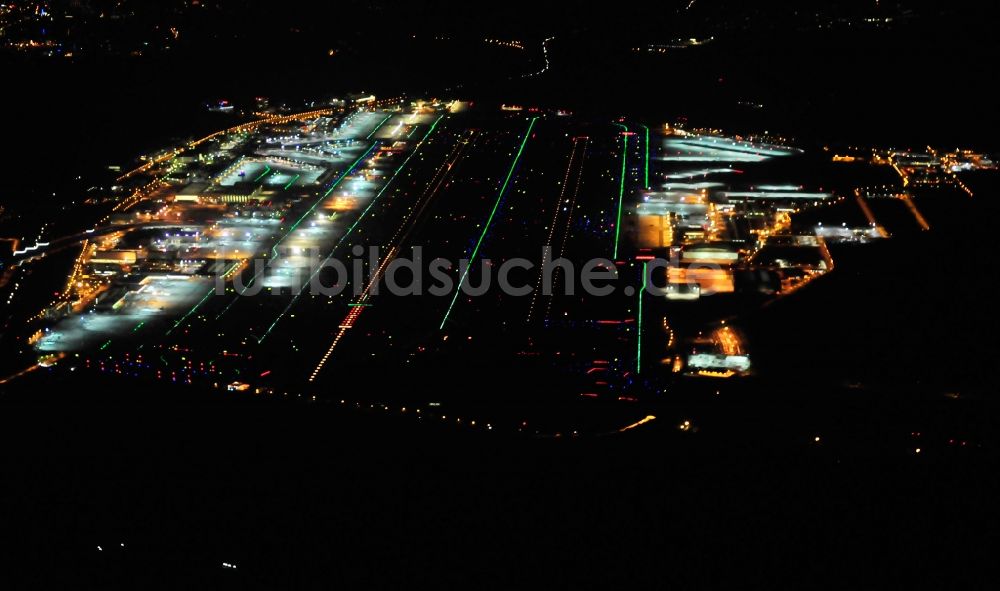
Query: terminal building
point(237, 193)
point(703, 269)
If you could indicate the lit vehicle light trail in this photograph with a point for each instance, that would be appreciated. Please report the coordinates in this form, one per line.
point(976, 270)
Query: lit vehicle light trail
point(621, 189)
point(637, 424)
point(19, 374)
point(351, 228)
point(916, 212)
point(728, 341)
point(869, 214)
point(902, 175)
point(489, 221)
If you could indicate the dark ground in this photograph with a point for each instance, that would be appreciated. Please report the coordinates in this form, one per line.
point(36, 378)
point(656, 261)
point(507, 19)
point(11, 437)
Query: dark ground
point(312, 497)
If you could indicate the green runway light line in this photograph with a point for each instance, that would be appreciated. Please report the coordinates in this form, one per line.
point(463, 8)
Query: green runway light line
point(647, 157)
point(638, 346)
point(352, 226)
point(359, 305)
point(292, 182)
point(389, 182)
point(138, 326)
point(486, 229)
point(379, 126)
point(621, 189)
point(191, 311)
point(343, 176)
point(267, 171)
point(337, 182)
point(274, 249)
point(106, 344)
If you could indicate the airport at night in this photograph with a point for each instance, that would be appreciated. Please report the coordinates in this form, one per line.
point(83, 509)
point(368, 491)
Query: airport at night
point(384, 294)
